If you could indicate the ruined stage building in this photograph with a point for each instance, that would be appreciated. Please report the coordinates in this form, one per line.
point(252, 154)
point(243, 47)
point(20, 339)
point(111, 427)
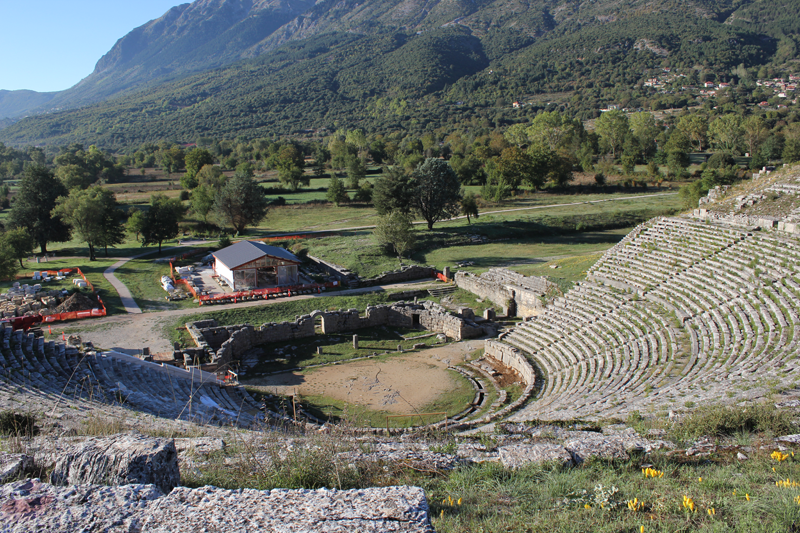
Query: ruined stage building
point(251, 264)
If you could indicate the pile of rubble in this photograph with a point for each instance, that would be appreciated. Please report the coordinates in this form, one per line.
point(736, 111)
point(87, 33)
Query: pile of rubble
point(28, 300)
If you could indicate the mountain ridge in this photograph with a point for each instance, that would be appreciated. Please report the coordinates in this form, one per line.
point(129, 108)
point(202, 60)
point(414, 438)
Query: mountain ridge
point(444, 52)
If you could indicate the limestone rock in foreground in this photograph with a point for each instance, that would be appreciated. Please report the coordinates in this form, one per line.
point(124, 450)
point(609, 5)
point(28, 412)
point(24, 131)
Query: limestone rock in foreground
point(28, 506)
point(118, 460)
point(32, 506)
point(518, 455)
point(13, 465)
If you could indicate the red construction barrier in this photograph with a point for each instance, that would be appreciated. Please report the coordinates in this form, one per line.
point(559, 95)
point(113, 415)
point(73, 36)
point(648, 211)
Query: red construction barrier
point(25, 322)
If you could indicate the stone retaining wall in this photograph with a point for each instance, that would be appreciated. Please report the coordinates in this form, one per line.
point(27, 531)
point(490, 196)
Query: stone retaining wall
point(518, 295)
point(406, 273)
point(512, 358)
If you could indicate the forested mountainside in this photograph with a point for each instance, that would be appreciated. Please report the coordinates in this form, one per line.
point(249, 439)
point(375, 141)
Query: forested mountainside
point(409, 64)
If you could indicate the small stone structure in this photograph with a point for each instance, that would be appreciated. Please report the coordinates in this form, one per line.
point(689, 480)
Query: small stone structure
point(518, 295)
point(227, 343)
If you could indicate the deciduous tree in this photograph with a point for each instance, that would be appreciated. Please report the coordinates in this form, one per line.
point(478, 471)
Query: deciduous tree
point(240, 203)
point(396, 230)
point(161, 220)
point(336, 191)
point(92, 214)
point(19, 243)
point(437, 191)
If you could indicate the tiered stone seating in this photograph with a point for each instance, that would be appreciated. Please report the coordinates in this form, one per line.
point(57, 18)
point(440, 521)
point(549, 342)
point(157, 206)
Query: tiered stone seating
point(52, 371)
point(679, 310)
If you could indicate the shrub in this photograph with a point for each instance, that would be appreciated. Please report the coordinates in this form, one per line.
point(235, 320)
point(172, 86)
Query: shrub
point(16, 424)
point(224, 241)
point(726, 420)
point(184, 195)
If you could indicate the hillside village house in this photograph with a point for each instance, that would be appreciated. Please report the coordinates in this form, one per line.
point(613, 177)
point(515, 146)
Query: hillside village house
point(250, 264)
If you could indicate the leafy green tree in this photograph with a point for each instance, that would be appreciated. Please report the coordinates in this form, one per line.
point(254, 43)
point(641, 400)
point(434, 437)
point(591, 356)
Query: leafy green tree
point(395, 229)
point(469, 169)
point(85, 167)
point(551, 129)
point(437, 191)
point(202, 201)
point(469, 206)
point(514, 167)
point(364, 193)
point(33, 206)
point(612, 126)
point(726, 132)
point(92, 212)
point(645, 130)
point(695, 128)
point(240, 203)
point(791, 147)
point(136, 222)
point(171, 158)
point(356, 170)
point(74, 176)
point(161, 220)
point(393, 191)
point(211, 176)
point(195, 160)
point(8, 263)
point(19, 243)
point(548, 166)
point(336, 191)
point(755, 131)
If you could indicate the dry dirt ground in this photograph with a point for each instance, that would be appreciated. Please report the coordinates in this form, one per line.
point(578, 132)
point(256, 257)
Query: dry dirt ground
point(404, 384)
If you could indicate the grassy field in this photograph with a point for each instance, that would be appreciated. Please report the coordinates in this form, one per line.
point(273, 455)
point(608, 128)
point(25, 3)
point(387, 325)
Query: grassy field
point(337, 348)
point(142, 277)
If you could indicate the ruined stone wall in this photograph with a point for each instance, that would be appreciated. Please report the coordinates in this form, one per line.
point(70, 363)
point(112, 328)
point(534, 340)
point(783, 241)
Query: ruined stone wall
point(434, 317)
point(516, 294)
point(512, 358)
point(245, 337)
point(374, 316)
point(494, 292)
point(341, 273)
point(406, 273)
point(230, 342)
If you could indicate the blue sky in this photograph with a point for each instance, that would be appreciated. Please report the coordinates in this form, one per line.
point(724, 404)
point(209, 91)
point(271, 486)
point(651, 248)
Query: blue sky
point(50, 45)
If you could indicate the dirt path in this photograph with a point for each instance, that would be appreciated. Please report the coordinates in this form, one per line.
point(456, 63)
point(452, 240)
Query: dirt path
point(404, 384)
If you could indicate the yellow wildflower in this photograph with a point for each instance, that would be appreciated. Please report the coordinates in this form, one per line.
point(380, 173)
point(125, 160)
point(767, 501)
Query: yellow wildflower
point(711, 511)
point(779, 456)
point(459, 501)
point(747, 497)
point(587, 506)
point(699, 480)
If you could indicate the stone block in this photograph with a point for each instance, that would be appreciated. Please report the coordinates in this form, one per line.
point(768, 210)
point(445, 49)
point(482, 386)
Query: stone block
point(122, 459)
point(519, 455)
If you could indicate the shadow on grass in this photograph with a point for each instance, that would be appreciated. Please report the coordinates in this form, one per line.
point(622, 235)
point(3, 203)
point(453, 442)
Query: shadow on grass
point(336, 348)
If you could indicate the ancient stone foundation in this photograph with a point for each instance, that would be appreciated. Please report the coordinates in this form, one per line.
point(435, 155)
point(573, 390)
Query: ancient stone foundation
point(518, 295)
point(226, 343)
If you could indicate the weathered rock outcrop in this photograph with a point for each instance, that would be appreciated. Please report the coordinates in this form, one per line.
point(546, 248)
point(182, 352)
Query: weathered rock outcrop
point(33, 506)
point(13, 465)
point(118, 460)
